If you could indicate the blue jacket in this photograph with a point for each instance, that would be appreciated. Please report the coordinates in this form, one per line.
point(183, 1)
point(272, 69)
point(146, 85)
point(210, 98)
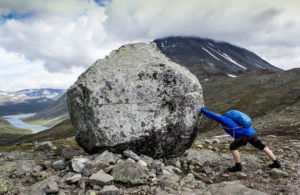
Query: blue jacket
point(231, 127)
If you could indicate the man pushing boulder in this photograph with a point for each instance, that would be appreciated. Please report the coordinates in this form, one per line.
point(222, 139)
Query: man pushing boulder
point(238, 125)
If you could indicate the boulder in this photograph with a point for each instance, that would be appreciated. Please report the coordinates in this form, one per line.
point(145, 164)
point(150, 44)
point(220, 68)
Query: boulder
point(137, 99)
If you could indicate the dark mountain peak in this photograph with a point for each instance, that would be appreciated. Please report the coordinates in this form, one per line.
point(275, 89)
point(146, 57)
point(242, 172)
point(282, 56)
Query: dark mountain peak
point(208, 58)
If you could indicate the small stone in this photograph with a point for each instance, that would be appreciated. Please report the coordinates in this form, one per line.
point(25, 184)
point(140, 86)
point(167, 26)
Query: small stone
point(100, 178)
point(207, 170)
point(47, 145)
point(78, 163)
point(107, 157)
point(58, 165)
point(69, 153)
point(152, 175)
point(191, 167)
point(93, 167)
point(110, 190)
point(191, 176)
point(96, 187)
point(178, 164)
point(142, 163)
point(91, 192)
point(37, 168)
point(51, 188)
point(131, 160)
point(75, 178)
point(226, 175)
point(199, 146)
point(131, 154)
point(108, 169)
point(266, 175)
point(165, 172)
point(215, 141)
point(208, 141)
point(241, 174)
point(278, 172)
point(47, 164)
point(81, 184)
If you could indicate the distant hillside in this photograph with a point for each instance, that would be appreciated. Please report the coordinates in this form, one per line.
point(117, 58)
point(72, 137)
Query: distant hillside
point(258, 93)
point(44, 92)
point(52, 115)
point(207, 58)
point(17, 103)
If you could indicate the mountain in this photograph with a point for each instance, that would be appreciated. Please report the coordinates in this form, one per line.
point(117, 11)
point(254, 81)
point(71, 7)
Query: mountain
point(271, 98)
point(207, 58)
point(18, 103)
point(44, 92)
point(52, 115)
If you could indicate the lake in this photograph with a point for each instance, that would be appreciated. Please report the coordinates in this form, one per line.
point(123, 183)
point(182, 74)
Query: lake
point(15, 121)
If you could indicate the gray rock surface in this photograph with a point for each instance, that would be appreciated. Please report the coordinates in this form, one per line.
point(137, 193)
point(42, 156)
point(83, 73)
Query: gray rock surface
point(73, 179)
point(226, 188)
point(110, 190)
point(47, 145)
point(58, 165)
point(130, 173)
point(136, 98)
point(100, 179)
point(51, 188)
point(132, 155)
point(78, 163)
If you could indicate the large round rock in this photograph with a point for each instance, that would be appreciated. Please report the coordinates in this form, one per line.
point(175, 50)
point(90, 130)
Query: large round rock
point(136, 98)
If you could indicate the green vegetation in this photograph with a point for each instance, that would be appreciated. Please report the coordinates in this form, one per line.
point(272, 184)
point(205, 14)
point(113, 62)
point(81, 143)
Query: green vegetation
point(256, 93)
point(9, 134)
point(60, 131)
point(7, 128)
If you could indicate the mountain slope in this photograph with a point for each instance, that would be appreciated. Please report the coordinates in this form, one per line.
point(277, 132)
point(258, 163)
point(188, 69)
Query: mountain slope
point(52, 115)
point(207, 58)
point(44, 92)
point(18, 103)
point(259, 93)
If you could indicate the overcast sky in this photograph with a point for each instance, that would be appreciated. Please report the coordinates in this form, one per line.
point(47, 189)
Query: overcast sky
point(49, 43)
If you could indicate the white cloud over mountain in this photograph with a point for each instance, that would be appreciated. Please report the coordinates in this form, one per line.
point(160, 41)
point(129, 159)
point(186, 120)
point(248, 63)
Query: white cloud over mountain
point(59, 39)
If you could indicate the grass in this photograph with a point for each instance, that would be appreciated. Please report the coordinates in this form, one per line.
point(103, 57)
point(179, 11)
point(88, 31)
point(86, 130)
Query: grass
point(60, 131)
point(7, 128)
point(9, 133)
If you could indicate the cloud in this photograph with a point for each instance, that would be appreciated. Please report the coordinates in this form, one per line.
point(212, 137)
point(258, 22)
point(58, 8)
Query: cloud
point(20, 73)
point(270, 26)
point(63, 34)
point(62, 37)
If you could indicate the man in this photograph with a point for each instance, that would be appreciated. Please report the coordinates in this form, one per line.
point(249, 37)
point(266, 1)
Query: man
point(241, 137)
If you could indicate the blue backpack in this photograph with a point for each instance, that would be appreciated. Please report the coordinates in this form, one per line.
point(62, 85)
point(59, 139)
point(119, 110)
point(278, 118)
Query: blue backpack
point(242, 119)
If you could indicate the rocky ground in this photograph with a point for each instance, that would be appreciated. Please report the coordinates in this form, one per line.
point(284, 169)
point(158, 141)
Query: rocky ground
point(61, 167)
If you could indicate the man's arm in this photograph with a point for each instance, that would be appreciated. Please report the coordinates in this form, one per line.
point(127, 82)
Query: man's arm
point(214, 116)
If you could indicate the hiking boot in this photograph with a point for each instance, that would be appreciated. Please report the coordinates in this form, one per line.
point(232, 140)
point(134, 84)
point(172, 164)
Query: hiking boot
point(275, 164)
point(236, 168)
